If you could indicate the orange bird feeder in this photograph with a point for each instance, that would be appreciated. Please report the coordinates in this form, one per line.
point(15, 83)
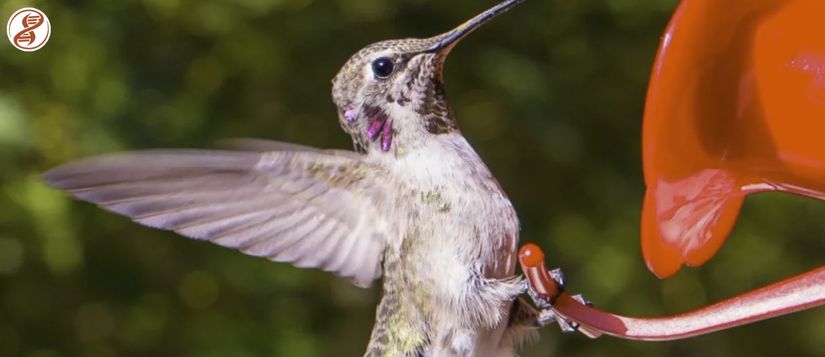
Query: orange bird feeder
point(736, 105)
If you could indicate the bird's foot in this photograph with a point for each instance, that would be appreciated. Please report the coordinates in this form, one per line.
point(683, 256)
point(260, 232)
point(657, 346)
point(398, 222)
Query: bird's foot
point(541, 301)
point(547, 315)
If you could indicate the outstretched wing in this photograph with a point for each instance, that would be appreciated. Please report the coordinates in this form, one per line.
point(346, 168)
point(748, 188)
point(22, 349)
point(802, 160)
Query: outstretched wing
point(312, 208)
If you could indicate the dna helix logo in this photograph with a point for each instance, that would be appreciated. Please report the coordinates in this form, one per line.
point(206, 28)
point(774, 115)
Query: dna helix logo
point(28, 29)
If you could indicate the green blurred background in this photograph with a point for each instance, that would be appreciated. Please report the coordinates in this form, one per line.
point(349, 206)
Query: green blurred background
point(551, 95)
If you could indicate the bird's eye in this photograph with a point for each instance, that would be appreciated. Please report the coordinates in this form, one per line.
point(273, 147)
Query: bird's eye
point(382, 67)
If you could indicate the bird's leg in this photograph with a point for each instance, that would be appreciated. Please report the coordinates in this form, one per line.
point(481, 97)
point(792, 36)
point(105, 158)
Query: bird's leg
point(544, 286)
point(546, 315)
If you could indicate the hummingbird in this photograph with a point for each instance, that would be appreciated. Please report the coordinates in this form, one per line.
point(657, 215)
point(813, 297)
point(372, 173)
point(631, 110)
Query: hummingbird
point(413, 205)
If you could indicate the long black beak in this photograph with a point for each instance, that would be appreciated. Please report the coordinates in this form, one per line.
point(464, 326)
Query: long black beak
point(447, 40)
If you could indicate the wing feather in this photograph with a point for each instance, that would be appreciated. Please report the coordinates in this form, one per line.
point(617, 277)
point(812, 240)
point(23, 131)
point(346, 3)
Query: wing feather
point(310, 207)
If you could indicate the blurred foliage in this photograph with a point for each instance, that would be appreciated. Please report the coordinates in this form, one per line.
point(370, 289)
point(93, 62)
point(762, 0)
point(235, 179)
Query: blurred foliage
point(551, 95)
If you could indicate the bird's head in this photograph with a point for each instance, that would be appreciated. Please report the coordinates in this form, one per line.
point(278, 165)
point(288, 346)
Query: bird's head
point(391, 93)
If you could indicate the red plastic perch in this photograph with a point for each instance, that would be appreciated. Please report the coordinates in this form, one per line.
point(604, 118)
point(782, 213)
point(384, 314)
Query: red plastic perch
point(801, 292)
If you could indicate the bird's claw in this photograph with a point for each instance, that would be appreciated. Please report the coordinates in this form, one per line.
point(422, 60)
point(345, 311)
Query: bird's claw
point(538, 301)
point(542, 301)
point(558, 276)
point(548, 315)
